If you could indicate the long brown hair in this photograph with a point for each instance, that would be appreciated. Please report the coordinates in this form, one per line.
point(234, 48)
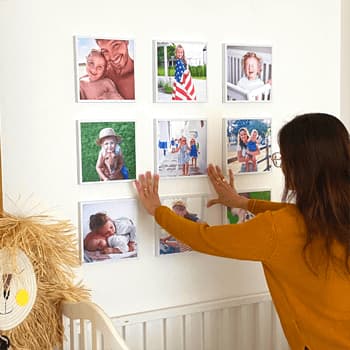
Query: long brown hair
point(183, 57)
point(315, 151)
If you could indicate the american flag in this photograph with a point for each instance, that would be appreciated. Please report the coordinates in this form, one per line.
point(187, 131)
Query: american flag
point(183, 88)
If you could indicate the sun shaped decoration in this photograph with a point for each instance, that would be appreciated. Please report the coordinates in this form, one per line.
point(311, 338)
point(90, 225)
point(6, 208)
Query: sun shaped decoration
point(37, 260)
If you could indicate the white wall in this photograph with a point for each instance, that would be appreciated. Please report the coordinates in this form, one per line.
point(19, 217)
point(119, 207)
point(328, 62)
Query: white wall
point(38, 112)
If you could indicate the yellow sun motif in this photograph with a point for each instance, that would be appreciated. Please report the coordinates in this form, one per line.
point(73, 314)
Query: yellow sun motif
point(22, 297)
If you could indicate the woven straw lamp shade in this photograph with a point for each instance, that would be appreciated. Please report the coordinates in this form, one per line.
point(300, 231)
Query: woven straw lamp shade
point(38, 258)
point(19, 288)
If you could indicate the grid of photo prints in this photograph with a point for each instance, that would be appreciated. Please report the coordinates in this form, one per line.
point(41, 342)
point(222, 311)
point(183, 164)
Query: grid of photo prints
point(106, 148)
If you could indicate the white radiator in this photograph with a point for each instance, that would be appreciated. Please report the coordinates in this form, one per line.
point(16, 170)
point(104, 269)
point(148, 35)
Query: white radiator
point(239, 323)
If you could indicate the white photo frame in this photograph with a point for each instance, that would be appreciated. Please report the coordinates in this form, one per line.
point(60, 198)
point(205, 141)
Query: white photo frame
point(193, 206)
point(247, 73)
point(104, 69)
point(176, 79)
point(121, 167)
point(172, 157)
point(247, 145)
point(124, 213)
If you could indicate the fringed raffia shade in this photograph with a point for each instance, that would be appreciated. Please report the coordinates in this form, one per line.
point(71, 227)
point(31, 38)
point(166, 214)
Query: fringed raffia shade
point(51, 248)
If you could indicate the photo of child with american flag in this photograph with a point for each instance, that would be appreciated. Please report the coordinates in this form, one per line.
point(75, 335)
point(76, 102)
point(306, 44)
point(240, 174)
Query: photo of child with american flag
point(181, 71)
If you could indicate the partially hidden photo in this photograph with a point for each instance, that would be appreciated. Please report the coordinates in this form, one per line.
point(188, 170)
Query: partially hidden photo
point(180, 71)
point(239, 215)
point(247, 145)
point(106, 151)
point(104, 69)
point(181, 147)
point(190, 207)
point(248, 73)
point(108, 230)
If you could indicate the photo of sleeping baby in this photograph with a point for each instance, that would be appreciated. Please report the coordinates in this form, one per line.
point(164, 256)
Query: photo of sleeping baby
point(239, 215)
point(191, 208)
point(248, 72)
point(108, 230)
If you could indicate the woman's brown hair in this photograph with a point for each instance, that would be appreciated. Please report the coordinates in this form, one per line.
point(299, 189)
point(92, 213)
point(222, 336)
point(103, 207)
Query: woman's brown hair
point(315, 151)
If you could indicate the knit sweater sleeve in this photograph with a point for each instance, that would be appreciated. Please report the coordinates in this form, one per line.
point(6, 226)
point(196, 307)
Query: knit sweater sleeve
point(252, 240)
point(257, 206)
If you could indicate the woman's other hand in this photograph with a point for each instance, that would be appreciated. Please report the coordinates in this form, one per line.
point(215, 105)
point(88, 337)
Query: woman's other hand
point(147, 188)
point(227, 194)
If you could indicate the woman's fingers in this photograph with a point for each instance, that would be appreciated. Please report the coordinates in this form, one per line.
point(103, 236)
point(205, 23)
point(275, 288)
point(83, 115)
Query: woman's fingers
point(232, 182)
point(219, 172)
point(212, 202)
point(148, 180)
point(214, 174)
point(155, 183)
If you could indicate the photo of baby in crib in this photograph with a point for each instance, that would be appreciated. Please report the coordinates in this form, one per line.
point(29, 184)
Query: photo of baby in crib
point(108, 230)
point(190, 208)
point(239, 215)
point(248, 72)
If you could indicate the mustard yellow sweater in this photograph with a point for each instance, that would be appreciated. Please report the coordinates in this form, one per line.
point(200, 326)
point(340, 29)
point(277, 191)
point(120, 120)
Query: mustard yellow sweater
point(314, 310)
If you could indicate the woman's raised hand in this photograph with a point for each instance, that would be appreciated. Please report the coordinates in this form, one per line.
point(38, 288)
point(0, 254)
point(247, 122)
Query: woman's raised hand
point(227, 194)
point(147, 188)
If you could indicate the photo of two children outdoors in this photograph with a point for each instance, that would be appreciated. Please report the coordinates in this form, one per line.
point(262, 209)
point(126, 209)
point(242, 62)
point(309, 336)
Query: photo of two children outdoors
point(181, 147)
point(248, 145)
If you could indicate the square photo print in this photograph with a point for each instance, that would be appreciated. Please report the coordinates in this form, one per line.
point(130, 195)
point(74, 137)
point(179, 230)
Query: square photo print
point(247, 145)
point(239, 215)
point(191, 207)
point(107, 151)
point(180, 71)
point(108, 230)
point(248, 73)
point(181, 147)
point(104, 69)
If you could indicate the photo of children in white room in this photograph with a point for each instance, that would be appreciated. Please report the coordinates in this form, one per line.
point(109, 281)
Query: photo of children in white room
point(239, 215)
point(180, 71)
point(248, 72)
point(108, 230)
point(191, 208)
point(181, 147)
point(104, 69)
point(248, 145)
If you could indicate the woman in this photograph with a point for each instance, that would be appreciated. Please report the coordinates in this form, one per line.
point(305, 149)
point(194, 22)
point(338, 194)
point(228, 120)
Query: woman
point(304, 247)
point(245, 155)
